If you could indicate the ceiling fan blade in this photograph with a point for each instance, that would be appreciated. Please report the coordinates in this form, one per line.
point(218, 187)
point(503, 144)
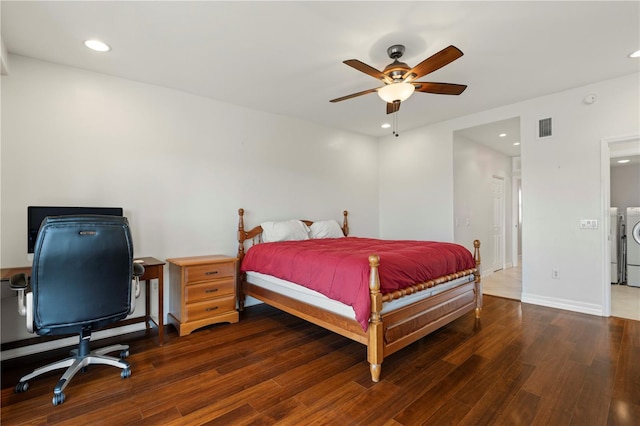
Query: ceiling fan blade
point(434, 62)
point(367, 69)
point(393, 107)
point(353, 95)
point(439, 88)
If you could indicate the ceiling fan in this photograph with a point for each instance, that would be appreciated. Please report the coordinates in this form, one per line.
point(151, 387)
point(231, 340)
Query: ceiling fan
point(399, 78)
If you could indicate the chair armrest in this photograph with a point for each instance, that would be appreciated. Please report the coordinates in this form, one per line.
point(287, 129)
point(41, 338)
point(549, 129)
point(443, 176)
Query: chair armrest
point(138, 270)
point(18, 282)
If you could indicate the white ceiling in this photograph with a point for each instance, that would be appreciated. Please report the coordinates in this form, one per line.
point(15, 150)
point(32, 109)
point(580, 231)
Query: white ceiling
point(489, 134)
point(629, 150)
point(286, 57)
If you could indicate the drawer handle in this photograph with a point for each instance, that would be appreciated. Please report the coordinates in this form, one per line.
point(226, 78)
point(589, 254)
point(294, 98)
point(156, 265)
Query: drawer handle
point(211, 309)
point(211, 273)
point(211, 290)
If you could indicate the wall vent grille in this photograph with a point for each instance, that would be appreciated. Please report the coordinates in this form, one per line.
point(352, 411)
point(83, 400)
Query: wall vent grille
point(544, 128)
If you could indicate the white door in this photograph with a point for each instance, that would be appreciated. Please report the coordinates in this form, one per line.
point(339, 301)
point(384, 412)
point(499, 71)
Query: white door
point(497, 228)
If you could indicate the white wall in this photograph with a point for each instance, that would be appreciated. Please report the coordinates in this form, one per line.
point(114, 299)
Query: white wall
point(561, 184)
point(180, 165)
point(474, 167)
point(416, 185)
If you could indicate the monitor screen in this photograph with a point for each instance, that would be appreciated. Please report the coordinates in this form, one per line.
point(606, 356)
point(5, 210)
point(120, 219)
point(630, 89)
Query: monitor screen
point(36, 214)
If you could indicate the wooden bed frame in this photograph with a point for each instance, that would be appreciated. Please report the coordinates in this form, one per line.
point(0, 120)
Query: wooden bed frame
point(398, 328)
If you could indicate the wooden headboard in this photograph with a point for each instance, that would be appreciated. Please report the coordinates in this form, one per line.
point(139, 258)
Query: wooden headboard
point(255, 234)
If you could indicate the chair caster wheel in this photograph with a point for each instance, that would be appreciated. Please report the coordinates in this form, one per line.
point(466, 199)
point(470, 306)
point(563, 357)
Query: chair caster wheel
point(124, 354)
point(22, 387)
point(58, 398)
point(126, 372)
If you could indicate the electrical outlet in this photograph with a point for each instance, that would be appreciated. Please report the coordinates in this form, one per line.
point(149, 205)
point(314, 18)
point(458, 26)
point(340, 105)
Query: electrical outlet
point(555, 273)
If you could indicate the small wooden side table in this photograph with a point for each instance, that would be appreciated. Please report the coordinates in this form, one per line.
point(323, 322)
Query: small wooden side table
point(202, 291)
point(154, 269)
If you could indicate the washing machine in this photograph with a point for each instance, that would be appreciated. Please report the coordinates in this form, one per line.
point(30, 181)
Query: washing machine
point(633, 246)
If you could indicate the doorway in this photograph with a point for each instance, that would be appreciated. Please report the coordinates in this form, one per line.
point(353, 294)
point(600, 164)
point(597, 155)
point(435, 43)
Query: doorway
point(486, 163)
point(618, 299)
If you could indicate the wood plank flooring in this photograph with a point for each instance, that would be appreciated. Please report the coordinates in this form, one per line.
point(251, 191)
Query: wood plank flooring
point(519, 365)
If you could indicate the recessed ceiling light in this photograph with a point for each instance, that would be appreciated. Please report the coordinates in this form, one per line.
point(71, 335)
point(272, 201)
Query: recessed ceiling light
point(502, 135)
point(516, 143)
point(386, 125)
point(623, 161)
point(97, 45)
point(635, 54)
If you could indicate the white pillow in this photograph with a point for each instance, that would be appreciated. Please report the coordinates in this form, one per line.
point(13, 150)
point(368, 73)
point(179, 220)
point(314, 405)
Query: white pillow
point(288, 230)
point(326, 229)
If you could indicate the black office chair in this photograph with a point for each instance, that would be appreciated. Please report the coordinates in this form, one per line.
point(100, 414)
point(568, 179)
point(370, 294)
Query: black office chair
point(83, 279)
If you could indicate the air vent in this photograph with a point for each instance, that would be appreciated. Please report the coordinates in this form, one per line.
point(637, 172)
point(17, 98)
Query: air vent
point(544, 128)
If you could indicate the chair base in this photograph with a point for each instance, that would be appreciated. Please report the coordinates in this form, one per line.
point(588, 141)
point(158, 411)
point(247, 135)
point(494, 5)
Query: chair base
point(78, 362)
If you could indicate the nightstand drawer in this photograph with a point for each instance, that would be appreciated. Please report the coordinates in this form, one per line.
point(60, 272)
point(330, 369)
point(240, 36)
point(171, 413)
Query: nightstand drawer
point(208, 290)
point(209, 308)
point(211, 271)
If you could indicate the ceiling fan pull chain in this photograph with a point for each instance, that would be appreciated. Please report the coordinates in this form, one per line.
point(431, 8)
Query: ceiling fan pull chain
point(395, 124)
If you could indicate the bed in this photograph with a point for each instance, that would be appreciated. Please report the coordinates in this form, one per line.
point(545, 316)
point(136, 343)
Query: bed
point(389, 308)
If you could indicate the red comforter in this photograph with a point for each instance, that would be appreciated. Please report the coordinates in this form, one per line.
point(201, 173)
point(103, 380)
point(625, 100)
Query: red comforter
point(339, 267)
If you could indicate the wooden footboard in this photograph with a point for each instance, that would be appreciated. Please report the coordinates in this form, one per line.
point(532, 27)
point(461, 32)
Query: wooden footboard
point(386, 333)
point(406, 325)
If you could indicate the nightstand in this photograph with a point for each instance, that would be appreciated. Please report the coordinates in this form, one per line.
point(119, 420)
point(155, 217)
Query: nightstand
point(202, 291)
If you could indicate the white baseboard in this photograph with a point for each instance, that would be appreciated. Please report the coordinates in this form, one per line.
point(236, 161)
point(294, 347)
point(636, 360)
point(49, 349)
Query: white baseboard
point(567, 305)
point(68, 341)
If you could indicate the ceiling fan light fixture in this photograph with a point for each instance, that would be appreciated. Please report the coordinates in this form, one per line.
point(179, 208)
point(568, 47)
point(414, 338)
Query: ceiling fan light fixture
point(396, 92)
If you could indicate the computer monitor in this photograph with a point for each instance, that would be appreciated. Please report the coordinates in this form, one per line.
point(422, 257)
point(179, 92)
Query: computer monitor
point(36, 214)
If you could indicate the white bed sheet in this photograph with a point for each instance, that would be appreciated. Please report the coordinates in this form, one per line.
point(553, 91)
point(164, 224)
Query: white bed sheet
point(312, 297)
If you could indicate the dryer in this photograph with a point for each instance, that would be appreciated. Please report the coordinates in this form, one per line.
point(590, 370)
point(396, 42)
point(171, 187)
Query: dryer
point(633, 246)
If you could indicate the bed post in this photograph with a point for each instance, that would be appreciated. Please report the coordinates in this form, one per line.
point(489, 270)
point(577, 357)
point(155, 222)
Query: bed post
point(240, 280)
point(375, 352)
point(345, 224)
point(240, 234)
point(476, 257)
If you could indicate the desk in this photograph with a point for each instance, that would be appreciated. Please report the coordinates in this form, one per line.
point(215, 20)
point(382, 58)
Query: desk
point(153, 269)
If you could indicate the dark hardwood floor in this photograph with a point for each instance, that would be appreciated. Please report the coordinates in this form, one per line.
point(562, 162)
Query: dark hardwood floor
point(519, 365)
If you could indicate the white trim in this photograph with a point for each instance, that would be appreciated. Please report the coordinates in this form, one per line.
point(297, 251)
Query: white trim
point(516, 181)
point(565, 304)
point(503, 226)
point(69, 341)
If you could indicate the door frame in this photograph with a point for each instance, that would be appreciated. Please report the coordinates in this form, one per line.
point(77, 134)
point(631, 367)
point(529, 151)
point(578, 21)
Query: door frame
point(605, 181)
point(516, 206)
point(503, 227)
